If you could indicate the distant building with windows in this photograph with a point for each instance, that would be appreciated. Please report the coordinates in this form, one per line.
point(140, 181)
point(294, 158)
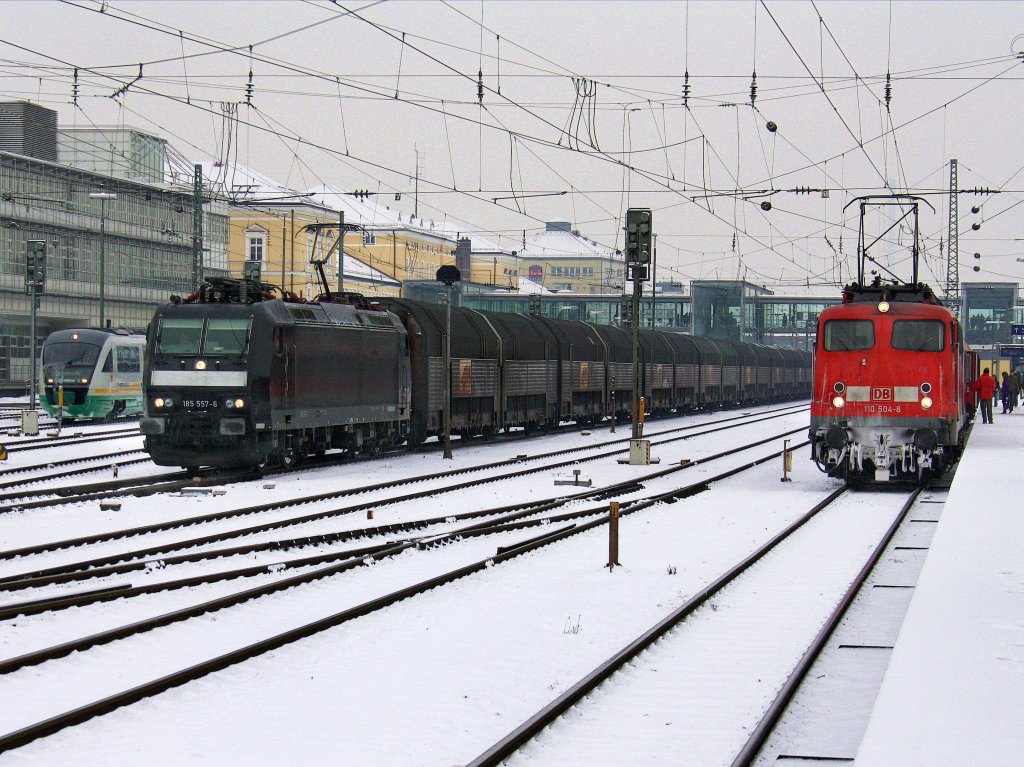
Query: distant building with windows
point(284, 230)
point(561, 259)
point(397, 244)
point(144, 253)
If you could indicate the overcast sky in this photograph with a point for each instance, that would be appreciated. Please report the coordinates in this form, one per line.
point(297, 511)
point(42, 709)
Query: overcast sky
point(583, 113)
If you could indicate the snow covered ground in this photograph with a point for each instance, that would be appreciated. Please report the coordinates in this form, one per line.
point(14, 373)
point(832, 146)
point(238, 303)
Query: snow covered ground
point(432, 680)
point(953, 694)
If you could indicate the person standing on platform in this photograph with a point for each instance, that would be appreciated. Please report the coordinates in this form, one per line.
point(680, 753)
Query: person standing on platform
point(986, 387)
point(1006, 393)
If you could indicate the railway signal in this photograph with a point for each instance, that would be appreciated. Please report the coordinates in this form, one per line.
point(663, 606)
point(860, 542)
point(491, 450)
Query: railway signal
point(639, 236)
point(35, 267)
point(35, 282)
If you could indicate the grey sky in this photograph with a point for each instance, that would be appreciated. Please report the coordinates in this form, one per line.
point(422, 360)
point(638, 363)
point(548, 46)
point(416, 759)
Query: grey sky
point(329, 91)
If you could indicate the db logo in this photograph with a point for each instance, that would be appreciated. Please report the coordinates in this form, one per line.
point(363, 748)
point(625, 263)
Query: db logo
point(881, 394)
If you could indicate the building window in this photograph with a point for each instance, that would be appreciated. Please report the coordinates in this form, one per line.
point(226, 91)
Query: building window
point(256, 244)
point(369, 238)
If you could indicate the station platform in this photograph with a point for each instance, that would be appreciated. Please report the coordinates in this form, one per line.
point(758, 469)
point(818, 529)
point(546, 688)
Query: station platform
point(953, 693)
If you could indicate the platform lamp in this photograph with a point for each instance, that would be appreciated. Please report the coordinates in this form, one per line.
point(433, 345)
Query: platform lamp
point(103, 197)
point(449, 275)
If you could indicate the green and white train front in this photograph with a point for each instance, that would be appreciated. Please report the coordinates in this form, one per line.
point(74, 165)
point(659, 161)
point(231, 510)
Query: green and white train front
point(91, 373)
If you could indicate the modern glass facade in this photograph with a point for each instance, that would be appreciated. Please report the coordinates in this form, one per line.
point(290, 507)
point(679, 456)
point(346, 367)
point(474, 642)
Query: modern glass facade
point(146, 251)
point(774, 320)
point(987, 312)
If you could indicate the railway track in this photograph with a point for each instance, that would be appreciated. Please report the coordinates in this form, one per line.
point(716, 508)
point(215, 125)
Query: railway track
point(554, 530)
point(501, 517)
point(608, 704)
point(78, 438)
point(538, 463)
point(111, 490)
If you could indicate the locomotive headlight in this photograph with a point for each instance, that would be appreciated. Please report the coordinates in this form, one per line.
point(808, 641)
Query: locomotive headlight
point(200, 364)
point(49, 380)
point(85, 380)
point(926, 402)
point(232, 403)
point(159, 402)
point(883, 306)
point(239, 403)
point(838, 402)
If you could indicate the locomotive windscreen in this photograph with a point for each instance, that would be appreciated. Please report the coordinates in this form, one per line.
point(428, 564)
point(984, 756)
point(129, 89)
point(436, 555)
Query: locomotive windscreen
point(849, 335)
point(918, 335)
point(184, 335)
point(70, 354)
point(226, 336)
point(179, 335)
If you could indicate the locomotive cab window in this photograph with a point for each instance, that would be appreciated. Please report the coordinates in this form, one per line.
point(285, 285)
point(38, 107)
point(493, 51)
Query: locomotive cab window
point(849, 335)
point(71, 355)
point(918, 335)
point(179, 335)
point(227, 336)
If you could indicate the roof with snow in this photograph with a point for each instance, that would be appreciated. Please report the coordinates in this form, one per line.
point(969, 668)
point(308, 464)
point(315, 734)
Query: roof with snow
point(558, 240)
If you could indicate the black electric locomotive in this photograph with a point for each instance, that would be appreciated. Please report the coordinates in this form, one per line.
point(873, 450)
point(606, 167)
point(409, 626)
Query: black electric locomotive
point(233, 379)
point(236, 377)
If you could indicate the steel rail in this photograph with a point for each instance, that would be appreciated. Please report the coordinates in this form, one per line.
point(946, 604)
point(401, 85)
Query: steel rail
point(83, 713)
point(67, 462)
point(45, 442)
point(512, 742)
point(162, 549)
point(506, 524)
point(137, 490)
point(331, 495)
point(759, 735)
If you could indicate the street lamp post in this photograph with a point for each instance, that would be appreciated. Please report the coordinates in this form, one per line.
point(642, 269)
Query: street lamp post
point(103, 197)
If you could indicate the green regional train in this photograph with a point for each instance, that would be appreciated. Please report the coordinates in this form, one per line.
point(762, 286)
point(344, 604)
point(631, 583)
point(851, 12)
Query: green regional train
point(90, 373)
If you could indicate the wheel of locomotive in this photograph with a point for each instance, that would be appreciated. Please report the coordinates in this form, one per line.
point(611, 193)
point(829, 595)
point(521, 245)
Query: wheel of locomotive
point(287, 458)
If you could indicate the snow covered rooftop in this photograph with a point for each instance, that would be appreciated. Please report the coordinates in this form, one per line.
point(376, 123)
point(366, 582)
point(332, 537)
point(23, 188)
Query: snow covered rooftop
point(558, 240)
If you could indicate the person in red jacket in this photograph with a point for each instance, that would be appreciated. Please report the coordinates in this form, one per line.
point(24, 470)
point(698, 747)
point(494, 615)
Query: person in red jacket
point(986, 386)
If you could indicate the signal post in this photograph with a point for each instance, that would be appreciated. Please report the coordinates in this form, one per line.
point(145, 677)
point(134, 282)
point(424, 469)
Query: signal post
point(639, 236)
point(35, 283)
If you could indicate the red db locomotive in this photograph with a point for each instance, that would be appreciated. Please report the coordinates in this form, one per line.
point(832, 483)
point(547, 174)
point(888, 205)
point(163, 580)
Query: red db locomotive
point(892, 376)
